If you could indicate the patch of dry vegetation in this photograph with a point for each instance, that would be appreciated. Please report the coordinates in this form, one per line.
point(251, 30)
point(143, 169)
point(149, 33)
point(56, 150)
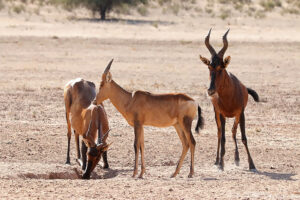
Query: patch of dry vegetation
point(223, 9)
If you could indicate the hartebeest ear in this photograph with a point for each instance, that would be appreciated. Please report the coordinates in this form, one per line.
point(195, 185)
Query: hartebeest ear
point(227, 61)
point(108, 77)
point(204, 60)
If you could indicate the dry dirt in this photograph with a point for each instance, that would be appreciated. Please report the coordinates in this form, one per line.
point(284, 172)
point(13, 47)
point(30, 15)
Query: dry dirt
point(38, 58)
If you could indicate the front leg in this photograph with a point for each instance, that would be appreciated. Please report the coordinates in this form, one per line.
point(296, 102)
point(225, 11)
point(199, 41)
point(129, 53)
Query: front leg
point(137, 144)
point(221, 166)
point(68, 135)
point(218, 122)
point(83, 155)
point(77, 144)
point(106, 165)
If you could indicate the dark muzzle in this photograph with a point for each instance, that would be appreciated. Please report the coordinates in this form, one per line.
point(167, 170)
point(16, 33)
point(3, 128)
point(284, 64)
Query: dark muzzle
point(211, 92)
point(87, 172)
point(212, 88)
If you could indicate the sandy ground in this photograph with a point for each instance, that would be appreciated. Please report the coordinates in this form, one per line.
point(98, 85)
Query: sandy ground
point(38, 58)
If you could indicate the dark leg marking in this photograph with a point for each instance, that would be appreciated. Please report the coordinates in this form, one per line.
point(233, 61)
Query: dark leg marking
point(244, 140)
point(68, 151)
point(106, 165)
point(223, 140)
point(83, 155)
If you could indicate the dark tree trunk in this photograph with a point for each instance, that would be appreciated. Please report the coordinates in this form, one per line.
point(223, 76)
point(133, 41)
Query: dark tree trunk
point(103, 12)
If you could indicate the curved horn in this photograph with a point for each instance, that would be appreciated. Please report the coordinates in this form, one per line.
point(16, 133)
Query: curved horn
point(100, 134)
point(108, 66)
point(88, 130)
point(105, 135)
point(210, 48)
point(225, 42)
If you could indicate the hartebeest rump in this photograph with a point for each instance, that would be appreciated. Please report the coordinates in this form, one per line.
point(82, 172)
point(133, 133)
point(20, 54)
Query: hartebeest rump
point(143, 108)
point(86, 119)
point(229, 98)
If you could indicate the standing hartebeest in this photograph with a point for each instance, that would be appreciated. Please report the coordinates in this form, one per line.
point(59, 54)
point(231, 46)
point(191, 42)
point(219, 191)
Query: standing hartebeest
point(229, 97)
point(86, 119)
point(143, 108)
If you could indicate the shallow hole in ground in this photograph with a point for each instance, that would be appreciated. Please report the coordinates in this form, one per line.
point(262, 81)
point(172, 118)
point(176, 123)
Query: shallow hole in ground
point(73, 174)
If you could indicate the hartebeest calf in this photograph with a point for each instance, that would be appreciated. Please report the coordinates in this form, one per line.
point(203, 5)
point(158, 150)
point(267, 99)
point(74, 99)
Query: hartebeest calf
point(86, 119)
point(160, 110)
point(229, 98)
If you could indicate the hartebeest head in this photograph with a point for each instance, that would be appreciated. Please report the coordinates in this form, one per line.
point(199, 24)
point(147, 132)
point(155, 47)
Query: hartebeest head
point(104, 89)
point(216, 65)
point(94, 152)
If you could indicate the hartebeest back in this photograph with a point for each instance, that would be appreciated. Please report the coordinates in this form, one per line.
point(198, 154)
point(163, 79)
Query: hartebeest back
point(86, 119)
point(229, 97)
point(143, 108)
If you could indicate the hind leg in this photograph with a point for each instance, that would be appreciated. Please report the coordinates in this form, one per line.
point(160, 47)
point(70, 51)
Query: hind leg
point(244, 140)
point(234, 130)
point(185, 148)
point(192, 143)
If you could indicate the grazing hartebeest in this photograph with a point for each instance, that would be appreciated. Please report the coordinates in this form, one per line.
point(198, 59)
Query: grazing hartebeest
point(143, 108)
point(229, 97)
point(86, 119)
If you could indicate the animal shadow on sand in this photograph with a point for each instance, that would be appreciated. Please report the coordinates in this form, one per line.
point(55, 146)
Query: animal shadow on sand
point(277, 175)
point(126, 21)
point(112, 173)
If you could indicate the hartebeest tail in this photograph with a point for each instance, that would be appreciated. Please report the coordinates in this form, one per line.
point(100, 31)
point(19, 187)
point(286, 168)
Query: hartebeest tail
point(200, 121)
point(253, 94)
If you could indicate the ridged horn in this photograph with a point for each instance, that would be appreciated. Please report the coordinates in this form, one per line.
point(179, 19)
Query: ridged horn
point(210, 48)
point(225, 42)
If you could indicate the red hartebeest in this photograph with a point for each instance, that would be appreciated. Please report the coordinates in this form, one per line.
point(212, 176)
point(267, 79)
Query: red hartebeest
point(143, 108)
point(86, 119)
point(229, 98)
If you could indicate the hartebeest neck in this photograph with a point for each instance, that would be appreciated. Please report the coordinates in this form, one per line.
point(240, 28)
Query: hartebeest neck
point(227, 86)
point(119, 97)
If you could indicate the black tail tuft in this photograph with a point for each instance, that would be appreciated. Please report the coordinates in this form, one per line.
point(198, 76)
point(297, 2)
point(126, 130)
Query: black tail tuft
point(253, 94)
point(200, 121)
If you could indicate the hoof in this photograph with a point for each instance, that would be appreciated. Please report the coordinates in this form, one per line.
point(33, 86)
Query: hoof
point(252, 167)
point(217, 162)
point(190, 175)
point(237, 162)
point(68, 162)
point(106, 166)
point(134, 174)
point(86, 176)
point(221, 167)
point(253, 170)
point(141, 176)
point(173, 175)
point(79, 161)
